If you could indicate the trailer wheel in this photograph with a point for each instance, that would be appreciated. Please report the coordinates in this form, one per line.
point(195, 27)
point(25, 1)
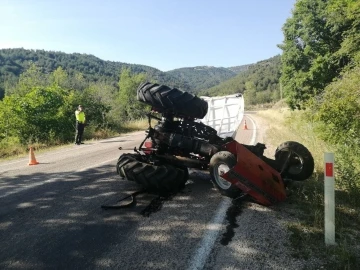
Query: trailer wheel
point(172, 100)
point(221, 163)
point(163, 180)
point(301, 162)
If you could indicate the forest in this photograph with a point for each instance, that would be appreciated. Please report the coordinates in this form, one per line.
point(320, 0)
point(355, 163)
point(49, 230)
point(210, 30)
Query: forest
point(259, 83)
point(14, 62)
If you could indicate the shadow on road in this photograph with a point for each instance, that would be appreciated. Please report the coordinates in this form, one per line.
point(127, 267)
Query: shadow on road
point(60, 223)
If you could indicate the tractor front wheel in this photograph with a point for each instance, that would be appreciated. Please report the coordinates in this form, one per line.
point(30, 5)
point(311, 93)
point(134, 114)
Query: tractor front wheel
point(220, 164)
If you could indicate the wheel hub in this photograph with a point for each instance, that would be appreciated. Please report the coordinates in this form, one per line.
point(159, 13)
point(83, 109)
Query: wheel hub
point(220, 170)
point(296, 164)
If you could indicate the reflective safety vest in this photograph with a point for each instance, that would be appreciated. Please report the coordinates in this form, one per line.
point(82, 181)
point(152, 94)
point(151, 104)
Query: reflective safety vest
point(80, 116)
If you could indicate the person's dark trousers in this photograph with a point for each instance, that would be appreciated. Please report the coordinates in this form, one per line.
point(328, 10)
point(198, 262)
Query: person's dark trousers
point(79, 132)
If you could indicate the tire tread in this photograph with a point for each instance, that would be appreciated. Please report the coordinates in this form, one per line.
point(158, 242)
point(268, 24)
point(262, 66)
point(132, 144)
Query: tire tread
point(172, 100)
point(163, 179)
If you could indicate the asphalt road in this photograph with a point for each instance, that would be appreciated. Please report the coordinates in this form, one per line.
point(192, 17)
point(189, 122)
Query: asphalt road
point(51, 215)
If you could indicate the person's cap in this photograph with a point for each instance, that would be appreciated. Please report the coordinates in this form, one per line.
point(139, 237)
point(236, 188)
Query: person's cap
point(80, 106)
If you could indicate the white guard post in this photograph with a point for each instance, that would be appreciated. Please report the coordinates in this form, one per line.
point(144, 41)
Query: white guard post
point(329, 194)
point(224, 114)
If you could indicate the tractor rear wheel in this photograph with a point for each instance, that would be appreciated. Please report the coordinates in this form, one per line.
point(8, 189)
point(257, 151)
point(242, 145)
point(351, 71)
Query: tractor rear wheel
point(172, 100)
point(163, 180)
point(221, 163)
point(300, 164)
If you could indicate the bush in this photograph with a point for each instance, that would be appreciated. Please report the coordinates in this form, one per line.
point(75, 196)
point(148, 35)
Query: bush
point(11, 146)
point(337, 112)
point(42, 113)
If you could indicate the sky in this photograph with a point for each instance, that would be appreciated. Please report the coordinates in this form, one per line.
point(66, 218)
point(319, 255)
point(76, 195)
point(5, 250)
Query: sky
point(164, 34)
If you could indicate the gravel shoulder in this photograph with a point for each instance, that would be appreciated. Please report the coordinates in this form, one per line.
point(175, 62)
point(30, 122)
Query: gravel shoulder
point(262, 125)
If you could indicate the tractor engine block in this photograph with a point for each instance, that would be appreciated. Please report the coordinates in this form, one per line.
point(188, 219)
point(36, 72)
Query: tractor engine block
point(187, 137)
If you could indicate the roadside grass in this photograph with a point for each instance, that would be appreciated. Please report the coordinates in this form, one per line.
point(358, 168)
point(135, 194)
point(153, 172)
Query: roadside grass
point(12, 148)
point(136, 125)
point(306, 199)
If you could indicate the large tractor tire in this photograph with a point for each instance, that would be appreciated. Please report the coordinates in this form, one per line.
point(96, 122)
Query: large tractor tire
point(300, 165)
point(163, 180)
point(172, 100)
point(221, 163)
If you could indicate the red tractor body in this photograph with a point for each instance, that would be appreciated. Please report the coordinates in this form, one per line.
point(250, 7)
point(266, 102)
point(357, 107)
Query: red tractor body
point(254, 176)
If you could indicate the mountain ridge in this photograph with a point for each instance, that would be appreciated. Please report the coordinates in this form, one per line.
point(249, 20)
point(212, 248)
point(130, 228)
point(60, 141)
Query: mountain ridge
point(15, 61)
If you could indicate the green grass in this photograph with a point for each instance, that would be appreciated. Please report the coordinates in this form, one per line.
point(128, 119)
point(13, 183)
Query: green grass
point(306, 198)
point(12, 148)
point(136, 125)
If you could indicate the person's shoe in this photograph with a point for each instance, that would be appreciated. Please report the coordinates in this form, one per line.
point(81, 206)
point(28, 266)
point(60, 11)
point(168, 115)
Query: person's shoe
point(82, 143)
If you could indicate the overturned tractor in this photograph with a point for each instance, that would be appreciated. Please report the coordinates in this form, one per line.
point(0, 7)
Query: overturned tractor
point(178, 142)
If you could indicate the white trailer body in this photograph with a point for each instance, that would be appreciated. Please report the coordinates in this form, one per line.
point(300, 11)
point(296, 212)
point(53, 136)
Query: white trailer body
point(224, 114)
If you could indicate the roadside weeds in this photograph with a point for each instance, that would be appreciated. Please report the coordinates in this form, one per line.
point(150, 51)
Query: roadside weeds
point(305, 205)
point(15, 149)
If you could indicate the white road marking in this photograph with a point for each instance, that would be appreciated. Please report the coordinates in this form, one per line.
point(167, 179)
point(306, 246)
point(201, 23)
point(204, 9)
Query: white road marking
point(52, 180)
point(253, 137)
point(213, 228)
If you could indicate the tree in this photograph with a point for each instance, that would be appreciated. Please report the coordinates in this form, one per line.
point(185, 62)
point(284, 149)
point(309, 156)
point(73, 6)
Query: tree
point(59, 76)
point(319, 41)
point(250, 93)
point(129, 107)
point(96, 98)
point(32, 77)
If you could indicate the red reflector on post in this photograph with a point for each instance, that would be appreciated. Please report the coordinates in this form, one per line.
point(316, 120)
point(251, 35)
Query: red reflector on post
point(329, 169)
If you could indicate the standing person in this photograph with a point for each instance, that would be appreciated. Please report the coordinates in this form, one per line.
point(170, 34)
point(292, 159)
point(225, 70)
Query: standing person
point(80, 124)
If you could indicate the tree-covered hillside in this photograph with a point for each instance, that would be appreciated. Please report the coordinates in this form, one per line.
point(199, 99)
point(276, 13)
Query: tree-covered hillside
point(260, 79)
point(239, 69)
point(13, 62)
point(202, 77)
